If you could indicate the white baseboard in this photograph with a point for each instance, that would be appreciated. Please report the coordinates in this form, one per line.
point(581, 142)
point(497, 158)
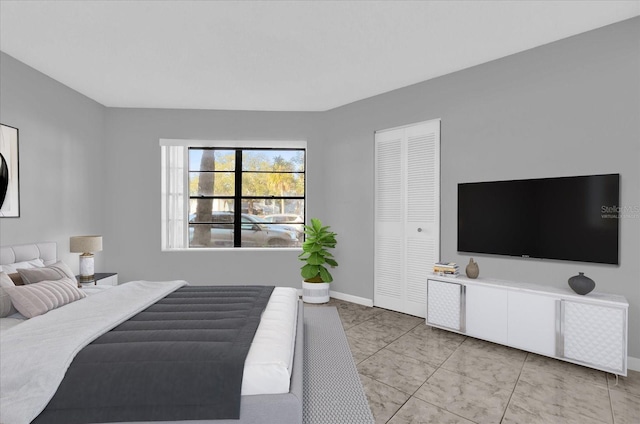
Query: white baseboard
point(347, 297)
point(350, 298)
point(633, 363)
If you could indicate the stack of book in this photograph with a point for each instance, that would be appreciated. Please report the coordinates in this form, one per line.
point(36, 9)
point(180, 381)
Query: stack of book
point(446, 268)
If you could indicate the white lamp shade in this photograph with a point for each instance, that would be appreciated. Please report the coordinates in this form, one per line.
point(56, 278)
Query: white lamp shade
point(85, 244)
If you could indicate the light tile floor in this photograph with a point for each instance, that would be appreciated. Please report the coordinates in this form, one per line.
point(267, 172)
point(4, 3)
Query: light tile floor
point(417, 374)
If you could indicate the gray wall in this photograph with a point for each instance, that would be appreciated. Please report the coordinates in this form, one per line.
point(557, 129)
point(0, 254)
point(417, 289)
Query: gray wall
point(568, 108)
point(61, 147)
point(132, 193)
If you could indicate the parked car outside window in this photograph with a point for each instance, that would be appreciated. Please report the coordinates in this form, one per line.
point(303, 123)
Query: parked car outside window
point(284, 218)
point(256, 232)
point(289, 218)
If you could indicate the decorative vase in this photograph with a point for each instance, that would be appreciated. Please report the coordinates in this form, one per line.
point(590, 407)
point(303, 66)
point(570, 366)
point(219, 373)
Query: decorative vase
point(472, 269)
point(581, 284)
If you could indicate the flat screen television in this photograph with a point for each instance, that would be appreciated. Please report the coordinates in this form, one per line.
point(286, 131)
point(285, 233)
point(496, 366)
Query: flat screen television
point(566, 218)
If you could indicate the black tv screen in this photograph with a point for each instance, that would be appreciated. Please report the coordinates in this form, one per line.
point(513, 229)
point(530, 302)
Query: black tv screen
point(567, 218)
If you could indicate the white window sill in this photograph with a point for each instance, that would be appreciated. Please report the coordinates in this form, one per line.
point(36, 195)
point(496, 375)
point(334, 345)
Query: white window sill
point(234, 249)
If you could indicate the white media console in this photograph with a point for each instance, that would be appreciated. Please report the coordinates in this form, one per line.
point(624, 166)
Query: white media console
point(589, 330)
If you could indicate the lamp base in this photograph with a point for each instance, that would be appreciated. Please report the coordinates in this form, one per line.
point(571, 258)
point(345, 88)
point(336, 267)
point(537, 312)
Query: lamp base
point(86, 267)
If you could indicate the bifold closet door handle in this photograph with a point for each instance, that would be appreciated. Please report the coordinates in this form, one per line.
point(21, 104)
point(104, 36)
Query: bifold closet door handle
point(419, 230)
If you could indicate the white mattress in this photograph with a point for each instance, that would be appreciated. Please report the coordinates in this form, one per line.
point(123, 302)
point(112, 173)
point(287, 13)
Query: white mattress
point(267, 369)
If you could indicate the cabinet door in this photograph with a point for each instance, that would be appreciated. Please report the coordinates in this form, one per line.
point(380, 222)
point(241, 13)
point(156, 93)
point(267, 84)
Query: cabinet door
point(594, 335)
point(444, 305)
point(532, 322)
point(486, 314)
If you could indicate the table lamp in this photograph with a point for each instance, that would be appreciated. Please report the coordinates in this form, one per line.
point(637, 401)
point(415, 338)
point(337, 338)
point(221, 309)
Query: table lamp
point(86, 245)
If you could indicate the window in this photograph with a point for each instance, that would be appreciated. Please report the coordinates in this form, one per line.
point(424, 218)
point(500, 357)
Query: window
point(232, 195)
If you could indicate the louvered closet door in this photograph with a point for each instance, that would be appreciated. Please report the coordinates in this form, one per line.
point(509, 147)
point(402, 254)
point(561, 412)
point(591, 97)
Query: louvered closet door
point(407, 215)
point(389, 211)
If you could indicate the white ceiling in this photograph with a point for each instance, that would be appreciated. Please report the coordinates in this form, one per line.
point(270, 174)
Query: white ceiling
point(276, 55)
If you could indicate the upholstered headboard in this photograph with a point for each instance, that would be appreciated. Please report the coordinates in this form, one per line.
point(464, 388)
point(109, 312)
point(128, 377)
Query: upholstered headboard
point(47, 251)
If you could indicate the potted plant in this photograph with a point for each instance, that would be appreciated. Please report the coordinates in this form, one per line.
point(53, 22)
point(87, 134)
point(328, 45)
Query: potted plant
point(316, 276)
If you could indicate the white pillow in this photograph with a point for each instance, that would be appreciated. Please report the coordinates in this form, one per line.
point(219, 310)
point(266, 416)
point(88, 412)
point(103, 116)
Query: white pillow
point(36, 299)
point(12, 268)
point(6, 307)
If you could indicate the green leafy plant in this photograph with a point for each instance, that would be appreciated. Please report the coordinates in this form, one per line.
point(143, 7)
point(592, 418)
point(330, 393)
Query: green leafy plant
point(314, 252)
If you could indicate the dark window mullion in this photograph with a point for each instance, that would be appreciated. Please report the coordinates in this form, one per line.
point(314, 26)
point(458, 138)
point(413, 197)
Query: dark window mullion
point(237, 210)
point(273, 197)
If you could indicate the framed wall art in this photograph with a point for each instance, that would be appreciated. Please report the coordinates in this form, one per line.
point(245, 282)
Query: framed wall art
point(9, 175)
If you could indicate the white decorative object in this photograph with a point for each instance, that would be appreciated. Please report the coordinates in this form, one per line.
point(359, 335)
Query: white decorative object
point(556, 322)
point(86, 265)
point(86, 245)
point(315, 292)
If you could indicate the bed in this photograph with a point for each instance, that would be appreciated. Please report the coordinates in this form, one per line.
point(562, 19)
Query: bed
point(283, 407)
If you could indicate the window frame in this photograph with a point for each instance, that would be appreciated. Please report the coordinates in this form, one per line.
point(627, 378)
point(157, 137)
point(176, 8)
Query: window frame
point(234, 145)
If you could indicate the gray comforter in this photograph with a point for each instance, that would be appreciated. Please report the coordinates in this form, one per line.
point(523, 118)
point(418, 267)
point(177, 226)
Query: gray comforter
point(180, 359)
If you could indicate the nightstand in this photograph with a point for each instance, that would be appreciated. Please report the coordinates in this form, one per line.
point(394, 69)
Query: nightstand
point(101, 279)
point(90, 290)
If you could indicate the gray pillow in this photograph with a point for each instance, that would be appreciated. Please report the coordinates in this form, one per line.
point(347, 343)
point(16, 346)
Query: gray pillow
point(6, 307)
point(48, 273)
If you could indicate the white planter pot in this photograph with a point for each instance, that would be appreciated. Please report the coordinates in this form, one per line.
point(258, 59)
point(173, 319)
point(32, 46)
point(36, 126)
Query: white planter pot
point(315, 292)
